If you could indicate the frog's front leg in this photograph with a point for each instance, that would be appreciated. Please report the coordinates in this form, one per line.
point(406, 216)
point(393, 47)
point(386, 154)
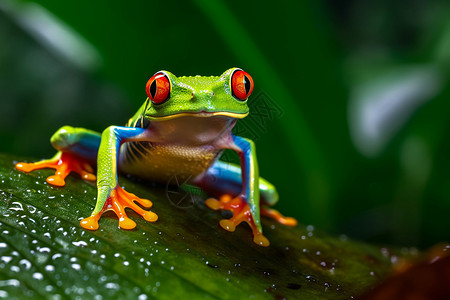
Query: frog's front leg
point(110, 195)
point(77, 152)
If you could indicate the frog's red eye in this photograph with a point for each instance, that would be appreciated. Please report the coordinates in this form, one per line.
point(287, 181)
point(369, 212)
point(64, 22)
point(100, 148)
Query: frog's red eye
point(241, 84)
point(158, 88)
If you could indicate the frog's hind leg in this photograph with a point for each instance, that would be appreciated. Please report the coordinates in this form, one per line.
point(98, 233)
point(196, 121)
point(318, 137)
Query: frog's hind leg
point(77, 152)
point(224, 181)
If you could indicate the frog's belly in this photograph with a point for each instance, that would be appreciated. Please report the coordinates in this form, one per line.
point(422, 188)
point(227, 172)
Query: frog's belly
point(162, 162)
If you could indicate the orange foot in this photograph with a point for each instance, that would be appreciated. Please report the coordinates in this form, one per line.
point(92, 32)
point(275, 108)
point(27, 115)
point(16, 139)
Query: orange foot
point(117, 202)
point(63, 163)
point(241, 212)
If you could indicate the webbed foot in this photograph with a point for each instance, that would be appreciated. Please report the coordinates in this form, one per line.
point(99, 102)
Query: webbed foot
point(241, 213)
point(63, 163)
point(118, 200)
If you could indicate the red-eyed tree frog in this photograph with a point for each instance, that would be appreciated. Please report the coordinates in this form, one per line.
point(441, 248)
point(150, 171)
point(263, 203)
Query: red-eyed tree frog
point(180, 130)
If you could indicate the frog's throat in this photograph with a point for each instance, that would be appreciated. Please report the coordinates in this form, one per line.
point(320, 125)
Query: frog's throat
point(199, 115)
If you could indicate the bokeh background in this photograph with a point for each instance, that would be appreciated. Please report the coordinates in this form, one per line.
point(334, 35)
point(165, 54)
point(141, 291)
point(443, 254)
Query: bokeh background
point(352, 119)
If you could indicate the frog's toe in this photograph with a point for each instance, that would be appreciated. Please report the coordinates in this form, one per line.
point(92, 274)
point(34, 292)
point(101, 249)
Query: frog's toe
point(88, 176)
point(90, 223)
point(261, 240)
point(277, 216)
point(227, 225)
point(25, 167)
point(56, 180)
point(126, 223)
point(150, 216)
point(213, 204)
point(143, 202)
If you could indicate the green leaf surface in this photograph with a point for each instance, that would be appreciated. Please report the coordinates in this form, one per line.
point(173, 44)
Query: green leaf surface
point(44, 251)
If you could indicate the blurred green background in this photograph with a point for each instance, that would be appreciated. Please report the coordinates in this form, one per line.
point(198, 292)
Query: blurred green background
point(358, 137)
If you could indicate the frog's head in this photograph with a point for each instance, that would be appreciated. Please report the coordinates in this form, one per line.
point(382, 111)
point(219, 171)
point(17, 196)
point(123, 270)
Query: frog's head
point(199, 96)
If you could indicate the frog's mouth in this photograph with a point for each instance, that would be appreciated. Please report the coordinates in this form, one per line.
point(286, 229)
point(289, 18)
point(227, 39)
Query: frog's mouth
point(202, 114)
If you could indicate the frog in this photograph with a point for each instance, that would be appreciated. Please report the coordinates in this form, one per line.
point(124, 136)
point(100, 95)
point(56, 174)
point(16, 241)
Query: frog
point(181, 130)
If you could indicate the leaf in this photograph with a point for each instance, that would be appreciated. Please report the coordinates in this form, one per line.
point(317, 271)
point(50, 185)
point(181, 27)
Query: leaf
point(44, 252)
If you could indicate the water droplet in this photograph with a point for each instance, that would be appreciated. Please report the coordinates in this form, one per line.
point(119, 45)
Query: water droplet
point(15, 269)
point(19, 206)
point(78, 244)
point(49, 288)
point(26, 263)
point(57, 255)
point(49, 268)
point(38, 276)
point(6, 259)
point(10, 282)
point(111, 285)
point(44, 249)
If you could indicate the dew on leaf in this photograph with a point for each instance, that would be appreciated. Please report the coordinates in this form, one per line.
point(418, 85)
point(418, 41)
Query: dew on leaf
point(38, 276)
point(49, 268)
point(6, 259)
point(26, 263)
point(15, 269)
point(76, 267)
point(111, 285)
point(49, 288)
point(57, 255)
point(9, 282)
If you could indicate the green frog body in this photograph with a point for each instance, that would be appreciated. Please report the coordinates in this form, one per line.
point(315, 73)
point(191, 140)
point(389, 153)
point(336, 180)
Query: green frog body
point(179, 132)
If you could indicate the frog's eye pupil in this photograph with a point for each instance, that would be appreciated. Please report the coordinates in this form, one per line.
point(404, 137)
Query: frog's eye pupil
point(158, 88)
point(247, 84)
point(241, 84)
point(153, 89)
